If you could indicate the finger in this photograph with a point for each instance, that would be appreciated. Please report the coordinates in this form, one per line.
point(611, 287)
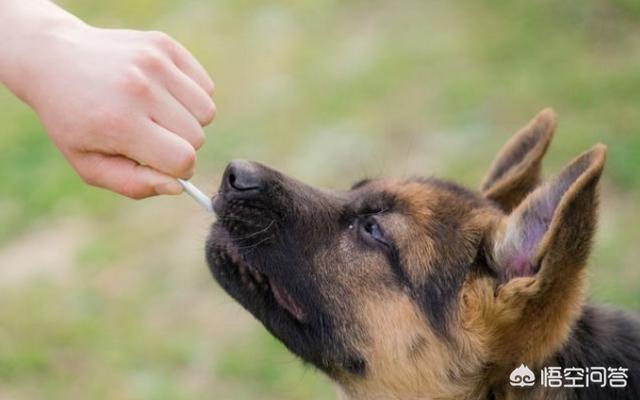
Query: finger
point(182, 59)
point(172, 115)
point(160, 149)
point(192, 68)
point(190, 95)
point(125, 176)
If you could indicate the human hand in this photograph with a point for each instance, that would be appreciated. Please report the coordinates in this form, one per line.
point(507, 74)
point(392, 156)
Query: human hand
point(126, 108)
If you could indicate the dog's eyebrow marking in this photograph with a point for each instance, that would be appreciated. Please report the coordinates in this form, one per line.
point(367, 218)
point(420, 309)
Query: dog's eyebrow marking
point(375, 203)
point(370, 211)
point(360, 183)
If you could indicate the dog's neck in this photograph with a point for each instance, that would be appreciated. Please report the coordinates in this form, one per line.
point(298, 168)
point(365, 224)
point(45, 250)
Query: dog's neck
point(600, 338)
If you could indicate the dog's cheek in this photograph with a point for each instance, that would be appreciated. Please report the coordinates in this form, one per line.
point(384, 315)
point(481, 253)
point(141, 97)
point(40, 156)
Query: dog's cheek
point(401, 351)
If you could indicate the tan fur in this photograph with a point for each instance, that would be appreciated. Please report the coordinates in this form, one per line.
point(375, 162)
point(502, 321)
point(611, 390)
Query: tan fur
point(396, 372)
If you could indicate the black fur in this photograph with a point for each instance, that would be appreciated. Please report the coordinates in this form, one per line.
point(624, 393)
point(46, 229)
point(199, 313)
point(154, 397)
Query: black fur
point(604, 338)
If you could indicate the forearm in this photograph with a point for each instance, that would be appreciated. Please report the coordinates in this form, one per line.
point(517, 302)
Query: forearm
point(25, 27)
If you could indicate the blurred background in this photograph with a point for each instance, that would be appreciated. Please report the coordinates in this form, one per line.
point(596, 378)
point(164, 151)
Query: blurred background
point(107, 298)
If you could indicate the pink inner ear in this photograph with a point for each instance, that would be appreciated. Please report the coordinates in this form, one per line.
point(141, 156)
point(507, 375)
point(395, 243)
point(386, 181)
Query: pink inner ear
point(518, 260)
point(520, 266)
point(530, 224)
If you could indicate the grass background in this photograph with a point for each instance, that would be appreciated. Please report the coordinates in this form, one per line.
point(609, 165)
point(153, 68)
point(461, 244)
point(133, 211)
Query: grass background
point(106, 298)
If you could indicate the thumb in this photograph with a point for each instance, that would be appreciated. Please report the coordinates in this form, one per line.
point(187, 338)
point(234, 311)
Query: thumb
point(124, 176)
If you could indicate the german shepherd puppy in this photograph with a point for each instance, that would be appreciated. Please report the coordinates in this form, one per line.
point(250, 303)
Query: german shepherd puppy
point(421, 289)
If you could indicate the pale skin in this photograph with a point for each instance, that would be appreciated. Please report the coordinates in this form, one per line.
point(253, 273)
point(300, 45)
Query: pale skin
point(126, 108)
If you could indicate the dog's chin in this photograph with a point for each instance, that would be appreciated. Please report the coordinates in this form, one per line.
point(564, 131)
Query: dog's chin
point(303, 327)
point(269, 301)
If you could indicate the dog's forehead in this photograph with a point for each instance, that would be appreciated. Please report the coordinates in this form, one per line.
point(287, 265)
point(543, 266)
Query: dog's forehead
point(428, 220)
point(419, 198)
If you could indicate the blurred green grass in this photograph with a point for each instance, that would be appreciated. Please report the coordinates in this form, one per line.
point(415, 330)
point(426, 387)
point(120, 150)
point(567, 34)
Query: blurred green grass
point(330, 92)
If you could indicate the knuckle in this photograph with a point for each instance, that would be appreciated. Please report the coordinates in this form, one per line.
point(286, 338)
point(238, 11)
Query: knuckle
point(161, 40)
point(185, 161)
point(150, 59)
point(135, 83)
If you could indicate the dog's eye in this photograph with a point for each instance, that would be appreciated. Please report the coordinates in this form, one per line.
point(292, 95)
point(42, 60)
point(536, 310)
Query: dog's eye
point(372, 229)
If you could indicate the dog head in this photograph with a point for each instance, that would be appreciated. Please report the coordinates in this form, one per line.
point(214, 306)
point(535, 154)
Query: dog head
point(400, 287)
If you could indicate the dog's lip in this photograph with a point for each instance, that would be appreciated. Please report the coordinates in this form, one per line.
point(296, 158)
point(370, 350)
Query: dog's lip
point(281, 296)
point(286, 301)
point(217, 202)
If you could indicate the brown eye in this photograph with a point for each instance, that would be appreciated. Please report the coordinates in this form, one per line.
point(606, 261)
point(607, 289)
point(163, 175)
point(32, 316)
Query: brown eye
point(372, 230)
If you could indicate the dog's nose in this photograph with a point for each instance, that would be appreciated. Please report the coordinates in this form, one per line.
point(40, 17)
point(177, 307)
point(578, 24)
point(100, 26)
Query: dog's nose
point(242, 176)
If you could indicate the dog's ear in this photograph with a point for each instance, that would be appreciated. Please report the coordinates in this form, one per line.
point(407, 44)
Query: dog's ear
point(515, 171)
point(539, 252)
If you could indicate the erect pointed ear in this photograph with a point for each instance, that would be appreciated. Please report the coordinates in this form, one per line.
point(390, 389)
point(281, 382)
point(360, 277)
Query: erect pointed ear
point(516, 169)
point(540, 251)
point(555, 223)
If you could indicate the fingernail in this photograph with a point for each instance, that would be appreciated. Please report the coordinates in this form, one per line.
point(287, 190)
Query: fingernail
point(170, 188)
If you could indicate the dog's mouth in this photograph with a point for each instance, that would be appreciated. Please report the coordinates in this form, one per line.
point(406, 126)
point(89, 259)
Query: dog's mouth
point(234, 269)
point(286, 301)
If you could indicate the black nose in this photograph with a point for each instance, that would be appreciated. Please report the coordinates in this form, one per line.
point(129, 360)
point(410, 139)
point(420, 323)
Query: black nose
point(242, 176)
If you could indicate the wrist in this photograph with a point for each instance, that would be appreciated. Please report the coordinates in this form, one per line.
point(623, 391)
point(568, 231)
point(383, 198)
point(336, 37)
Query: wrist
point(29, 30)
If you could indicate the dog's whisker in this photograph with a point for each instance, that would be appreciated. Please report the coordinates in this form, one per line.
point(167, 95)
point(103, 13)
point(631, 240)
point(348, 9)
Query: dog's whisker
point(254, 245)
point(253, 234)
